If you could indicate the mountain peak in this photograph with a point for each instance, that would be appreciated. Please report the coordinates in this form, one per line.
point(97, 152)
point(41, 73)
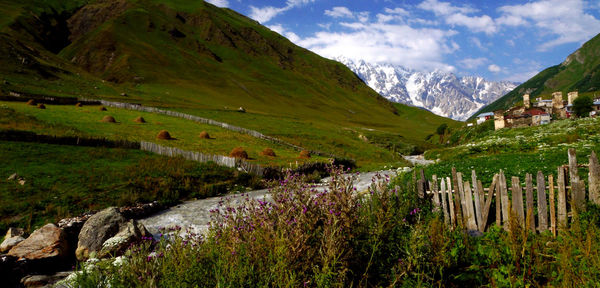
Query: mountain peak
point(441, 92)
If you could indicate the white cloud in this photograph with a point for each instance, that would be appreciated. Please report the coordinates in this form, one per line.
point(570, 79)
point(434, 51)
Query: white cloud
point(339, 12)
point(397, 11)
point(443, 8)
point(455, 15)
point(265, 14)
point(566, 20)
point(477, 43)
point(521, 77)
point(282, 31)
point(473, 63)
point(494, 68)
point(219, 3)
point(420, 49)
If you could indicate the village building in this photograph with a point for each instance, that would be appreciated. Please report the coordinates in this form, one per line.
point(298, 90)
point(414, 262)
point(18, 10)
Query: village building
point(484, 117)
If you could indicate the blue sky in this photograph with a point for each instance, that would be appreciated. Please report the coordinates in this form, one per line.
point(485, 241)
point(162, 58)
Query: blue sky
point(499, 40)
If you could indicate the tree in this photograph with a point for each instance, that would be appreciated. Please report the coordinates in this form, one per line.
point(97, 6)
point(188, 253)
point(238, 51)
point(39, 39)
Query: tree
point(441, 130)
point(582, 106)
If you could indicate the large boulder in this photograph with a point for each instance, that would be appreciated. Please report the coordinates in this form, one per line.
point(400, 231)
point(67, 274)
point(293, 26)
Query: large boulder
point(129, 233)
point(45, 244)
point(96, 230)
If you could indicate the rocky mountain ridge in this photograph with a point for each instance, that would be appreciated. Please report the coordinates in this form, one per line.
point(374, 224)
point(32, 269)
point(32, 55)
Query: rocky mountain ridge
point(444, 94)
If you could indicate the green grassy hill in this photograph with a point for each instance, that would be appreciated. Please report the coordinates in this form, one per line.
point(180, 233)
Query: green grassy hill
point(204, 60)
point(579, 72)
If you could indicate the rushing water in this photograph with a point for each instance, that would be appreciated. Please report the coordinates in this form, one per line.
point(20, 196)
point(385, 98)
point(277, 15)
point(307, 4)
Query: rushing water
point(195, 215)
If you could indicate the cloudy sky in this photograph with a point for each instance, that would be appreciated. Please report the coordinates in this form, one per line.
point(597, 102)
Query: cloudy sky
point(500, 40)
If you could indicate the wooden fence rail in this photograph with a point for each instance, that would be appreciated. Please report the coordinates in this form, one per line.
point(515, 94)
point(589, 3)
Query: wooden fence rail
point(466, 204)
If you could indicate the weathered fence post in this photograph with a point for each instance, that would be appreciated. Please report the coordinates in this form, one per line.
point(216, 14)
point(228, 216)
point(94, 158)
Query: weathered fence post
point(577, 188)
point(542, 206)
point(562, 199)
point(517, 200)
point(488, 203)
point(461, 191)
point(457, 199)
point(529, 196)
point(434, 190)
point(594, 179)
point(481, 222)
point(444, 205)
point(451, 202)
point(504, 200)
point(471, 222)
point(552, 204)
point(477, 194)
point(498, 203)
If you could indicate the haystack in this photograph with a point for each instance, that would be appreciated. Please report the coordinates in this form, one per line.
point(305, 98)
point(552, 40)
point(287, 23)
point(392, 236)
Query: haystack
point(108, 119)
point(268, 152)
point(204, 135)
point(238, 152)
point(102, 108)
point(164, 135)
point(305, 154)
point(31, 102)
point(140, 120)
point(41, 106)
point(78, 104)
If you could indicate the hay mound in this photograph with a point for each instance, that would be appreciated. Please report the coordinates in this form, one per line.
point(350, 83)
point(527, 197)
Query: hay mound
point(108, 119)
point(164, 135)
point(102, 108)
point(305, 154)
point(78, 104)
point(268, 152)
point(204, 135)
point(31, 102)
point(140, 120)
point(41, 106)
point(238, 152)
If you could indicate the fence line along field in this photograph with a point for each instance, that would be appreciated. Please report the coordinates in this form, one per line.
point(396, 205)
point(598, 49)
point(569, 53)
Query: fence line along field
point(552, 200)
point(86, 121)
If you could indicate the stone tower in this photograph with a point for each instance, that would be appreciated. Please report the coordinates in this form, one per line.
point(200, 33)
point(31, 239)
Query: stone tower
point(572, 96)
point(526, 101)
point(557, 100)
point(499, 120)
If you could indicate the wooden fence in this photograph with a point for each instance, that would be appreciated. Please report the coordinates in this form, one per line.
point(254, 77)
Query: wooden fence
point(223, 125)
point(469, 205)
point(201, 157)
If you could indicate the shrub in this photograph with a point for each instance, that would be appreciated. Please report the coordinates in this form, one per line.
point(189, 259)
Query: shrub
point(31, 102)
point(139, 120)
point(239, 152)
point(204, 135)
point(78, 105)
point(304, 154)
point(108, 119)
point(102, 108)
point(268, 152)
point(163, 135)
point(41, 106)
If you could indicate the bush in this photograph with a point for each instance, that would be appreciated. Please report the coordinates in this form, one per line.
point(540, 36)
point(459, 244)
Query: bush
point(268, 152)
point(108, 119)
point(304, 154)
point(164, 135)
point(204, 135)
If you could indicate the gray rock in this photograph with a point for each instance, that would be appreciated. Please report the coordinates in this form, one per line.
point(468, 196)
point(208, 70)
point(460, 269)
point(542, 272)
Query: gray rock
point(129, 233)
point(12, 232)
point(47, 243)
point(96, 230)
point(9, 243)
point(31, 281)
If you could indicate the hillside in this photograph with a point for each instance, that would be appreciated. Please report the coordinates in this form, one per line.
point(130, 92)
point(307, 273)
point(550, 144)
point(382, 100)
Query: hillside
point(579, 72)
point(204, 60)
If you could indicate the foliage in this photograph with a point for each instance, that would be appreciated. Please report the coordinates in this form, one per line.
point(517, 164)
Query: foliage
point(384, 238)
point(582, 105)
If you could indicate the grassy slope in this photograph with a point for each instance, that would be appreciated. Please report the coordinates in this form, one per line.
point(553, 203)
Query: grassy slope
point(582, 73)
point(521, 150)
point(85, 121)
point(224, 61)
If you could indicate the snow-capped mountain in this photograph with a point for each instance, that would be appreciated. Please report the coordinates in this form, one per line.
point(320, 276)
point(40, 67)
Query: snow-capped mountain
point(442, 93)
